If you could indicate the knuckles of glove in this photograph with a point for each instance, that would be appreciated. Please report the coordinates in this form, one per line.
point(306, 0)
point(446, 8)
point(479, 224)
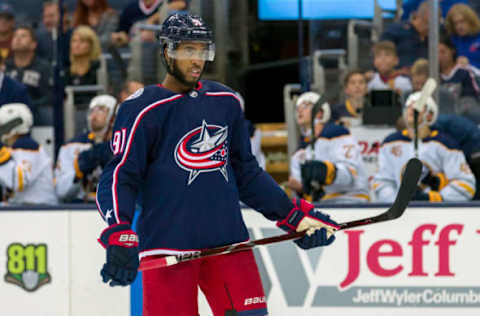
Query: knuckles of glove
point(320, 237)
point(304, 216)
point(121, 266)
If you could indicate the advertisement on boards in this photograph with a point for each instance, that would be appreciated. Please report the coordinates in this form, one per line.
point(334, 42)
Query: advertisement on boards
point(424, 262)
point(50, 265)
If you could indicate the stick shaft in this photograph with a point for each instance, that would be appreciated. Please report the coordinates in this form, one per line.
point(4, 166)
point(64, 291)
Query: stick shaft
point(405, 193)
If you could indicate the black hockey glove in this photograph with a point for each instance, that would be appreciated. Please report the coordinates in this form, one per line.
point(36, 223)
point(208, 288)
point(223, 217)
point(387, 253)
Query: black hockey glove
point(122, 254)
point(435, 181)
point(316, 173)
point(431, 196)
point(320, 227)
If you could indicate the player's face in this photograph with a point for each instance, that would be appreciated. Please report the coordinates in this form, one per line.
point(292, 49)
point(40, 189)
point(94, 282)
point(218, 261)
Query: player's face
point(304, 113)
point(356, 86)
point(410, 116)
point(98, 118)
point(189, 66)
point(385, 62)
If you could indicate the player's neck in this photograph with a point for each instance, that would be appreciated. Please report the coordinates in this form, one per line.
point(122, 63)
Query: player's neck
point(172, 84)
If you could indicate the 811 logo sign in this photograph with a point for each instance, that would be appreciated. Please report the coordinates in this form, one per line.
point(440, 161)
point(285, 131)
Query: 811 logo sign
point(27, 266)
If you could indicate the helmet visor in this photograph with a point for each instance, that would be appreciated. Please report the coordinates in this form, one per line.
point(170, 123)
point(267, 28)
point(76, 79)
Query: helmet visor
point(204, 52)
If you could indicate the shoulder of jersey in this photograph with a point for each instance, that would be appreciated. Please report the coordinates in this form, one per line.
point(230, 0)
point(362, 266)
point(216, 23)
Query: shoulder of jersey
point(146, 97)
point(443, 139)
point(397, 136)
point(82, 138)
point(332, 130)
point(217, 87)
point(25, 143)
point(214, 86)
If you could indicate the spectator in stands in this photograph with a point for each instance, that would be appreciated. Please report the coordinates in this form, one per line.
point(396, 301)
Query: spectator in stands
point(446, 175)
point(355, 89)
point(172, 7)
point(460, 79)
point(135, 11)
point(463, 24)
point(7, 27)
point(333, 170)
point(46, 33)
point(99, 16)
point(128, 88)
point(410, 6)
point(81, 160)
point(385, 60)
point(25, 168)
point(420, 73)
point(85, 51)
point(410, 38)
point(12, 91)
point(34, 72)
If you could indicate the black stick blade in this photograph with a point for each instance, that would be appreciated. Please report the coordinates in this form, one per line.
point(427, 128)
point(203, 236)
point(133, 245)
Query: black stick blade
point(407, 189)
point(404, 195)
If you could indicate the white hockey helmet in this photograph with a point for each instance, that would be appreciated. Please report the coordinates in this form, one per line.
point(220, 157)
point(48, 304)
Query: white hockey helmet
point(104, 100)
point(430, 107)
point(11, 111)
point(313, 98)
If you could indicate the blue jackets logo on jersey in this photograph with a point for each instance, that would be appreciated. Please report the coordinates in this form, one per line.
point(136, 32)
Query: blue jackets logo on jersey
point(203, 149)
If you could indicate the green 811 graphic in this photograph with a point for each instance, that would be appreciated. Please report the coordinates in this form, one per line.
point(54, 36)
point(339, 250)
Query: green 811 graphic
point(27, 266)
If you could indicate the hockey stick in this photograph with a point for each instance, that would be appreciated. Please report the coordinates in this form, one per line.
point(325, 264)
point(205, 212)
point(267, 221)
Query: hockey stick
point(426, 92)
point(405, 193)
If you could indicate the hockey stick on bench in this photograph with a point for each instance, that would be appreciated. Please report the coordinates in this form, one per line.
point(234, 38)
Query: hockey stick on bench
point(405, 193)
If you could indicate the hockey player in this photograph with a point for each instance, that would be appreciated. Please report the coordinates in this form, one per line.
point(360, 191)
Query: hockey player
point(26, 174)
point(446, 175)
point(81, 160)
point(333, 171)
point(182, 150)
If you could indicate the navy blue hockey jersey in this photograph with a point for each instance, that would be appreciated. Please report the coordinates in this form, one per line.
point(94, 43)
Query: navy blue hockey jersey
point(187, 159)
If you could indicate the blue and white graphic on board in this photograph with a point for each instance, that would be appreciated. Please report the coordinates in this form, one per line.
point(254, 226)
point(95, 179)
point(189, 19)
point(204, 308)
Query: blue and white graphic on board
point(203, 149)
